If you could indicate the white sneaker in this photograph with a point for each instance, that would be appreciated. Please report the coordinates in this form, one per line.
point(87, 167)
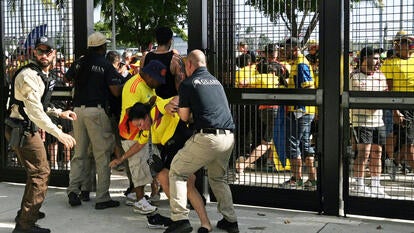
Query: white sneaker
point(131, 198)
point(361, 190)
point(379, 191)
point(143, 207)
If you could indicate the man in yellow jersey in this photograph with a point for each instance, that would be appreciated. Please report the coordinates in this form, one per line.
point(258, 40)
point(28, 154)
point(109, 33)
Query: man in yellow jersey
point(399, 71)
point(299, 118)
point(170, 134)
point(140, 88)
point(268, 73)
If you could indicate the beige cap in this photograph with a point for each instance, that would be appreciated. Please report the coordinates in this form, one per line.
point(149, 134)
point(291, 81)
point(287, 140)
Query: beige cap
point(400, 35)
point(97, 39)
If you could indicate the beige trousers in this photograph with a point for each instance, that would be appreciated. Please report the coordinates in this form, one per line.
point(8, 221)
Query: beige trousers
point(212, 151)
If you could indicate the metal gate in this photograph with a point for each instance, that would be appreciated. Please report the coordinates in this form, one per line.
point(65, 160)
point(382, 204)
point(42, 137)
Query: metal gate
point(257, 25)
point(247, 44)
point(22, 22)
point(378, 180)
point(340, 29)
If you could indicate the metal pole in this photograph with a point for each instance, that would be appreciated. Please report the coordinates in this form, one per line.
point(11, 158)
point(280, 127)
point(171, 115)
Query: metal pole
point(401, 14)
point(380, 27)
point(113, 26)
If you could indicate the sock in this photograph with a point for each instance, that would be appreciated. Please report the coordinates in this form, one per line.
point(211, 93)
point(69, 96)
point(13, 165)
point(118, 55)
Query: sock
point(375, 181)
point(360, 181)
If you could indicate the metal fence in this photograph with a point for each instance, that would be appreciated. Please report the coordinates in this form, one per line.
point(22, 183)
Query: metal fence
point(259, 99)
point(250, 39)
point(22, 23)
point(377, 78)
point(248, 35)
point(383, 168)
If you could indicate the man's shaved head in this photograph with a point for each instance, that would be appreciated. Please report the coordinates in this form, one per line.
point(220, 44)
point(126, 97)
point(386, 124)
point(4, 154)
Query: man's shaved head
point(197, 58)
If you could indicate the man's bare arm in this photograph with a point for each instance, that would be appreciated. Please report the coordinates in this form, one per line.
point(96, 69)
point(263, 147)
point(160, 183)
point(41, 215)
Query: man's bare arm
point(177, 69)
point(184, 114)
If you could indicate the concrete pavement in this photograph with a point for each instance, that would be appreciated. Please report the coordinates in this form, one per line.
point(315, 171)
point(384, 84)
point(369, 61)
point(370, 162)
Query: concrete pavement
point(62, 218)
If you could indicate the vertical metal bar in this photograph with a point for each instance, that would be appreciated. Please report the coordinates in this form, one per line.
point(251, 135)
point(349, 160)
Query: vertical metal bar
point(401, 14)
point(3, 94)
point(83, 25)
point(113, 26)
point(197, 25)
point(331, 26)
point(344, 183)
point(197, 39)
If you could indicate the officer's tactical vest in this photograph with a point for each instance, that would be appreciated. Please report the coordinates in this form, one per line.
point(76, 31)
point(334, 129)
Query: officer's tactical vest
point(47, 94)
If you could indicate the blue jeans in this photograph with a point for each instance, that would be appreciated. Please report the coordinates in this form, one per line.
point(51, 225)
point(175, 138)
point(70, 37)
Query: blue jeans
point(298, 135)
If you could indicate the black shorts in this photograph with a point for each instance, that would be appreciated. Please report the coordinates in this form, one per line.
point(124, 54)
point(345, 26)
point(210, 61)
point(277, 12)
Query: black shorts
point(370, 135)
point(169, 150)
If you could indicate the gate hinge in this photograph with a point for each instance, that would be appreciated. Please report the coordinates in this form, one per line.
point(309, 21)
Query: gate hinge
point(345, 99)
point(319, 96)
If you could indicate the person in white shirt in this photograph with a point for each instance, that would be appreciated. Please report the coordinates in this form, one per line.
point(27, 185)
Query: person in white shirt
point(368, 125)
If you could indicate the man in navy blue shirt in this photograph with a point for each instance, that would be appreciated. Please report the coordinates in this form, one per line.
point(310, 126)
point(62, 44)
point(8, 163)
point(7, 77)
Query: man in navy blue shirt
point(94, 80)
point(202, 95)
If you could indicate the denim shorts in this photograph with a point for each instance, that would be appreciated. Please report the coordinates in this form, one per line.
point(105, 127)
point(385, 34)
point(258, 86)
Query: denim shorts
point(298, 135)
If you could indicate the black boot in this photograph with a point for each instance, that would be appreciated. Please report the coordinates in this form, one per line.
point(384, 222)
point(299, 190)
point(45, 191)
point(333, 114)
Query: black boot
point(74, 199)
point(40, 215)
point(84, 196)
point(32, 229)
point(231, 227)
point(106, 204)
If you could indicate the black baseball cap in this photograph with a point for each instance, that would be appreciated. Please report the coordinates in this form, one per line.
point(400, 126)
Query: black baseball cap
point(44, 40)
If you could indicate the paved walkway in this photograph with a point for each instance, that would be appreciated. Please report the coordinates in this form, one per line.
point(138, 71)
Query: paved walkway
point(61, 218)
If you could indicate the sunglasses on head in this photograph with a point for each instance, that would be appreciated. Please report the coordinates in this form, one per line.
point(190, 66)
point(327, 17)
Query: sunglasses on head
point(42, 52)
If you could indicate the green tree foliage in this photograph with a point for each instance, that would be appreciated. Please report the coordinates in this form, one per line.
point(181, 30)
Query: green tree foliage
point(299, 16)
point(293, 13)
point(136, 21)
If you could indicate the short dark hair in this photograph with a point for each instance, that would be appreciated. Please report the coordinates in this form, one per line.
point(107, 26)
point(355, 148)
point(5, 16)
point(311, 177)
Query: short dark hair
point(163, 35)
point(112, 56)
point(369, 51)
point(270, 48)
point(138, 111)
point(243, 60)
point(242, 43)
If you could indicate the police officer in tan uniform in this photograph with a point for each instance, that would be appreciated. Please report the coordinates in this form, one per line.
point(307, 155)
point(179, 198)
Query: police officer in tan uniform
point(31, 92)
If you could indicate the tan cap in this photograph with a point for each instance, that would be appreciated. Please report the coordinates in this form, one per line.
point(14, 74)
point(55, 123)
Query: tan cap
point(401, 35)
point(97, 39)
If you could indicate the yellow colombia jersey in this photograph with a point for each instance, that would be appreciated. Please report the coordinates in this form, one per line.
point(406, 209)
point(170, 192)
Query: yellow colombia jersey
point(301, 76)
point(249, 77)
point(245, 76)
point(135, 90)
point(163, 124)
point(401, 72)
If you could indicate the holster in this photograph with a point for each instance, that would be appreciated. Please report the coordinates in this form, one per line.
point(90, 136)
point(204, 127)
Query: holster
point(17, 134)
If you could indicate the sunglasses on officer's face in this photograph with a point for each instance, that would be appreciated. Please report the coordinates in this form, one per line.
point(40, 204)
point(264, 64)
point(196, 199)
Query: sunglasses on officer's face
point(42, 52)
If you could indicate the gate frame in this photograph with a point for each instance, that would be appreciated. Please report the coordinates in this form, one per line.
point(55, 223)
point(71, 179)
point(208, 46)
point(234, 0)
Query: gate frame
point(83, 26)
point(331, 38)
point(329, 195)
point(389, 208)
